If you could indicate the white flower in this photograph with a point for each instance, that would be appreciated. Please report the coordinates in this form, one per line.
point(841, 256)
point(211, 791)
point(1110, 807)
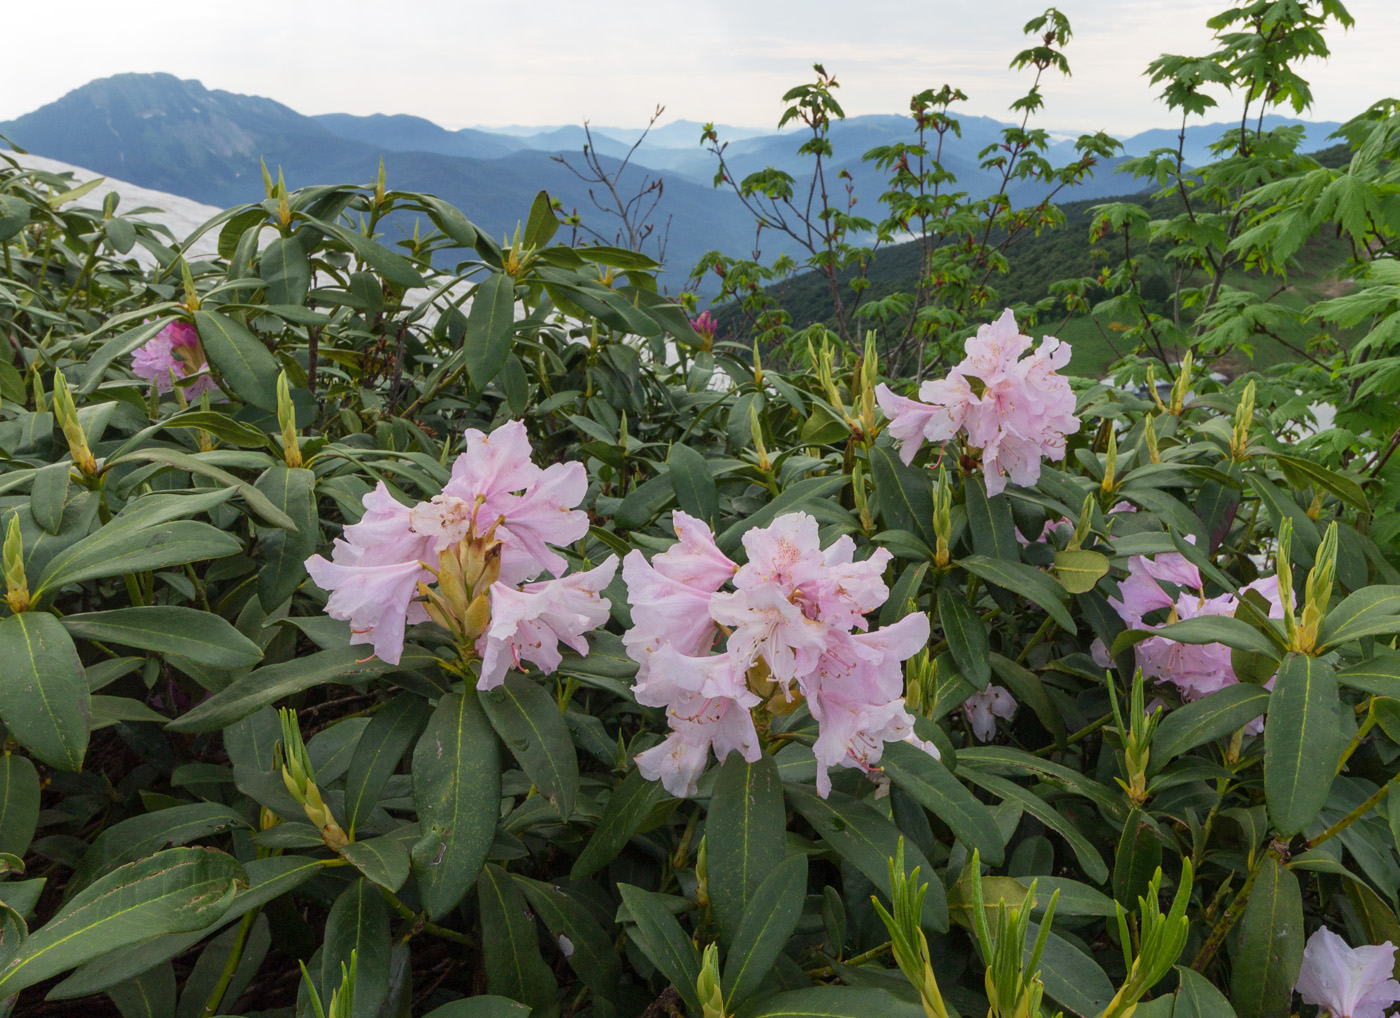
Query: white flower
point(983, 708)
point(1350, 982)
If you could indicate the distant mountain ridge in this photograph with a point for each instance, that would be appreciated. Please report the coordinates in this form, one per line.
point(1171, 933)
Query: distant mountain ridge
point(174, 135)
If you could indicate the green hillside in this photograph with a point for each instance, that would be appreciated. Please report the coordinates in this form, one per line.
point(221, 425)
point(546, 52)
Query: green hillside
point(1037, 260)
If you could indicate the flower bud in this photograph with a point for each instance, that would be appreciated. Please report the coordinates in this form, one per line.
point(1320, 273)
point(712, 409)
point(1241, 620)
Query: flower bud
point(1150, 433)
point(1284, 570)
point(67, 415)
point(191, 296)
point(757, 431)
point(1181, 386)
point(707, 985)
point(477, 616)
point(757, 366)
point(16, 588)
point(942, 518)
point(1110, 464)
point(1244, 416)
point(287, 418)
point(1317, 592)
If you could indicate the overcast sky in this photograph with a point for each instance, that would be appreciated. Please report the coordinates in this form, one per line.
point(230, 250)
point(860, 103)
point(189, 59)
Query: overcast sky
point(466, 62)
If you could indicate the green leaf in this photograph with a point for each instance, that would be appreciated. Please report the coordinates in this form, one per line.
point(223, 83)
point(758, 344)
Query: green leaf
point(148, 833)
point(44, 696)
point(1197, 997)
point(1223, 629)
point(484, 1006)
point(258, 503)
point(1371, 611)
point(384, 860)
point(509, 944)
point(490, 328)
point(292, 490)
point(832, 1002)
point(967, 636)
point(629, 805)
point(1211, 717)
point(943, 795)
point(175, 891)
point(114, 550)
point(869, 840)
point(1302, 741)
point(746, 836)
point(542, 224)
point(1027, 687)
point(813, 489)
point(1079, 571)
point(1379, 674)
point(378, 753)
point(594, 958)
point(1094, 867)
point(1137, 859)
point(989, 519)
point(48, 495)
point(696, 491)
point(394, 267)
point(1036, 586)
point(768, 923)
point(358, 923)
point(270, 683)
point(457, 789)
point(905, 495)
point(285, 271)
point(248, 370)
point(1264, 961)
point(19, 803)
point(1071, 975)
point(151, 994)
point(167, 629)
point(663, 942)
point(529, 722)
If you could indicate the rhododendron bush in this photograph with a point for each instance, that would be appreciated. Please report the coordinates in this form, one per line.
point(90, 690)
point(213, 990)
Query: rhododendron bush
point(371, 650)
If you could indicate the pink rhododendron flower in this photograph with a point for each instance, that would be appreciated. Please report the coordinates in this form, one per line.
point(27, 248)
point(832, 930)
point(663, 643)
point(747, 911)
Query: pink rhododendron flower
point(704, 323)
point(504, 503)
point(984, 707)
point(173, 354)
point(795, 624)
point(1350, 982)
point(529, 624)
point(1018, 412)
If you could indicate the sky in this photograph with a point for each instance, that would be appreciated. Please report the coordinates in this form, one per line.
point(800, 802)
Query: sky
point(550, 62)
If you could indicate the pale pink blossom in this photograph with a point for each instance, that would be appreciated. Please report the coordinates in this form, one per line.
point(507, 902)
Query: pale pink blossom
point(373, 575)
point(984, 707)
point(1349, 982)
point(171, 355)
point(1017, 414)
point(529, 624)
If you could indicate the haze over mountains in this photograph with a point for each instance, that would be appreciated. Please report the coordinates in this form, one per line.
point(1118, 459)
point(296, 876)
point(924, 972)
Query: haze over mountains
point(175, 135)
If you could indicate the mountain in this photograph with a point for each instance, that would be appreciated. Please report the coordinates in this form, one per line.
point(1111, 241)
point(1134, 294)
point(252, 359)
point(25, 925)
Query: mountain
point(403, 133)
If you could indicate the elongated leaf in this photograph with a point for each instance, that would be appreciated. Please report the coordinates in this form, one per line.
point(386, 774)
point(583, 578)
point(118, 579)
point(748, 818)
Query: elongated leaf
point(385, 861)
point(457, 789)
point(813, 489)
point(484, 1006)
point(175, 891)
point(19, 803)
point(1379, 674)
point(1078, 571)
point(394, 267)
point(593, 957)
point(832, 1002)
point(285, 271)
point(44, 695)
point(1223, 629)
point(967, 637)
point(1211, 717)
point(1071, 976)
point(258, 503)
point(249, 371)
point(746, 833)
point(113, 551)
point(358, 923)
point(380, 749)
point(696, 492)
point(1302, 741)
point(943, 795)
point(1138, 856)
point(283, 552)
point(148, 995)
point(510, 946)
point(490, 328)
point(629, 805)
point(146, 834)
point(167, 629)
point(869, 841)
point(768, 922)
point(1094, 867)
point(49, 493)
point(1266, 958)
point(1197, 997)
point(1371, 611)
point(905, 494)
point(530, 724)
point(663, 941)
point(989, 519)
point(1038, 587)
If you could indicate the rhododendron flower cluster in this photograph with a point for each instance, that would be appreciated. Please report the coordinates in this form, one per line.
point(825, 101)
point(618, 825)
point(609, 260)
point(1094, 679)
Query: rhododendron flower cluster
point(1016, 411)
point(465, 558)
point(792, 628)
point(1350, 982)
point(1195, 669)
point(174, 354)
